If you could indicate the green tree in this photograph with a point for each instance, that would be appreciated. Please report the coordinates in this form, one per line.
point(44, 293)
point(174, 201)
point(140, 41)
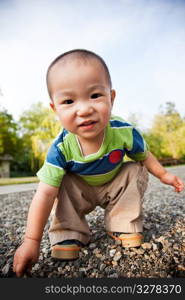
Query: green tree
point(8, 133)
point(166, 137)
point(39, 127)
point(11, 143)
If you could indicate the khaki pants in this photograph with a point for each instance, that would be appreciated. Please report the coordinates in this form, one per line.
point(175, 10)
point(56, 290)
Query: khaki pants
point(121, 198)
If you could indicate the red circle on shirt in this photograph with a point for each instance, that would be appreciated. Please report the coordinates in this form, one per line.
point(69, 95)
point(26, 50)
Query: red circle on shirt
point(115, 156)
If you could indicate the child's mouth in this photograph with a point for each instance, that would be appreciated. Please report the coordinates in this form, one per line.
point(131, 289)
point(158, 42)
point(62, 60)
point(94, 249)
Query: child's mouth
point(87, 124)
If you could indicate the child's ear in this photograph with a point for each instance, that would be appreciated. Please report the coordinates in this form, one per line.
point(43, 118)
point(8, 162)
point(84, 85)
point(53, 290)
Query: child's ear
point(113, 95)
point(52, 106)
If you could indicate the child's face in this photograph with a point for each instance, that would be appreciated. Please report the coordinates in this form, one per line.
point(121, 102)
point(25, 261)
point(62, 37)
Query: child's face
point(81, 97)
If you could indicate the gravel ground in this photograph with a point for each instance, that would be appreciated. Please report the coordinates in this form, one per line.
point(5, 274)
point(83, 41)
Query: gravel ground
point(162, 254)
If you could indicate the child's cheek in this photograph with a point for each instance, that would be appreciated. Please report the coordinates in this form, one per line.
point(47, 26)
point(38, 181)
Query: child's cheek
point(105, 109)
point(106, 113)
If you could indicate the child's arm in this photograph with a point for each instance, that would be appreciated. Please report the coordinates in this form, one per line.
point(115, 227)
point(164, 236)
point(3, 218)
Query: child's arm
point(155, 168)
point(27, 254)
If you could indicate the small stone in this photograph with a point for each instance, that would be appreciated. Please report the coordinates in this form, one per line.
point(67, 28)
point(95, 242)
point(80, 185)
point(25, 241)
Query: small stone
point(44, 250)
point(153, 256)
point(114, 275)
point(161, 239)
point(112, 252)
point(68, 268)
point(82, 269)
point(41, 256)
point(138, 251)
point(181, 268)
point(113, 246)
point(5, 269)
point(92, 246)
point(117, 256)
point(103, 257)
point(176, 260)
point(36, 267)
point(154, 246)
point(176, 246)
point(96, 250)
point(146, 246)
point(99, 255)
point(133, 253)
point(60, 269)
point(147, 226)
point(118, 242)
point(163, 274)
point(102, 267)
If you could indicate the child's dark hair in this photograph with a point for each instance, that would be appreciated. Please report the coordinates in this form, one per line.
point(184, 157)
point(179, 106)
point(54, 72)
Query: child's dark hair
point(82, 54)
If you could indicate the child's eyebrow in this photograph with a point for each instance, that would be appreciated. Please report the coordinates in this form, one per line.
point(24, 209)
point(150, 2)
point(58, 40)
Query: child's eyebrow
point(70, 93)
point(96, 86)
point(63, 93)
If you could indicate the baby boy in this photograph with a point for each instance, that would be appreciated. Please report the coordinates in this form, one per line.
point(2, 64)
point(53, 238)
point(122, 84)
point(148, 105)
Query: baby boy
point(85, 168)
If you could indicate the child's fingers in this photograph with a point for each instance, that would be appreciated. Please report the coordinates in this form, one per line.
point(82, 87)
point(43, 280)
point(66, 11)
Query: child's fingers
point(21, 268)
point(179, 185)
point(177, 190)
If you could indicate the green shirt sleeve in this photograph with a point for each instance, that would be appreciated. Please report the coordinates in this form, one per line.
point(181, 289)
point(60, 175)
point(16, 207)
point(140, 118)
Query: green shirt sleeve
point(139, 148)
point(51, 174)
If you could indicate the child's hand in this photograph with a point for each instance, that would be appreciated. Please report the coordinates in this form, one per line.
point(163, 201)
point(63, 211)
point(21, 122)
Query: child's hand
point(173, 180)
point(25, 256)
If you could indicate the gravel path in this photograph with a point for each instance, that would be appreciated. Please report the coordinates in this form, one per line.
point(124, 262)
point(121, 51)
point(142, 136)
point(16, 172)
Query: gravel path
point(161, 256)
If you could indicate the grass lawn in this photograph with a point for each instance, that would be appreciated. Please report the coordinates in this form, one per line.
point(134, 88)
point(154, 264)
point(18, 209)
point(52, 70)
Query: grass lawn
point(17, 180)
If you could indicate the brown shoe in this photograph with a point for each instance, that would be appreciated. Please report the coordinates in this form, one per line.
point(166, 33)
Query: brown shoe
point(131, 239)
point(66, 250)
point(128, 239)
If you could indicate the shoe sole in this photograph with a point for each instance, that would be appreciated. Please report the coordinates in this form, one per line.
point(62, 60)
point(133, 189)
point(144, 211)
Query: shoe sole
point(129, 240)
point(65, 252)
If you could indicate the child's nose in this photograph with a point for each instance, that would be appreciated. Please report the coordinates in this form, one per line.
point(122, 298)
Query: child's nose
point(84, 109)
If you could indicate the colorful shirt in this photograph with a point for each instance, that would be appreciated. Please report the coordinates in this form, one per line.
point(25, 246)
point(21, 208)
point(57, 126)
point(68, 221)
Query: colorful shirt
point(98, 168)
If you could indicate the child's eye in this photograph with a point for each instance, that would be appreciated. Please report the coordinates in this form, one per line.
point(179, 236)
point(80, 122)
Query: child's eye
point(67, 101)
point(95, 95)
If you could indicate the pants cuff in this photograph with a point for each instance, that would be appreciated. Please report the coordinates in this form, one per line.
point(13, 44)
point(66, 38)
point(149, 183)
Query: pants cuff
point(59, 236)
point(127, 228)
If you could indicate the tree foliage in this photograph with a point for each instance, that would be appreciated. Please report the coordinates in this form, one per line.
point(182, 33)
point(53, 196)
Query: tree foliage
point(8, 133)
point(167, 135)
point(39, 127)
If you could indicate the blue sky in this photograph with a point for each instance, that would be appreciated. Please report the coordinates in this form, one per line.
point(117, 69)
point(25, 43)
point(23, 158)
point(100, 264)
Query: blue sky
point(142, 41)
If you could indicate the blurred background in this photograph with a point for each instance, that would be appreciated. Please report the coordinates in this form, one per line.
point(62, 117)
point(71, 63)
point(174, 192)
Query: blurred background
point(143, 44)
